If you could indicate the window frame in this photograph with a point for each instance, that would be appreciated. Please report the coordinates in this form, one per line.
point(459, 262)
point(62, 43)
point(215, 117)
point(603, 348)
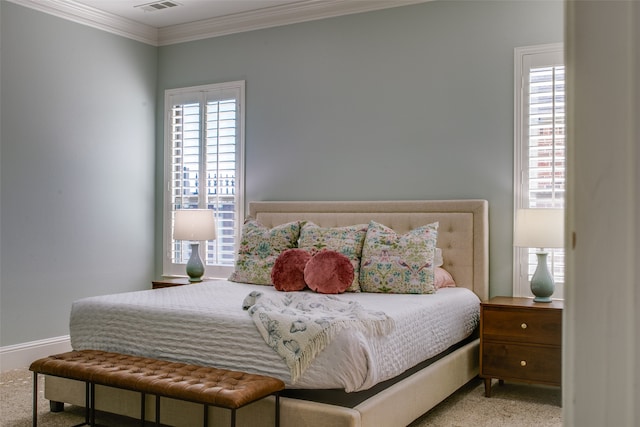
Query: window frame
point(548, 54)
point(172, 269)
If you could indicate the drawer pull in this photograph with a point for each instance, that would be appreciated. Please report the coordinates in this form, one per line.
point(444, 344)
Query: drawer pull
point(523, 363)
point(523, 326)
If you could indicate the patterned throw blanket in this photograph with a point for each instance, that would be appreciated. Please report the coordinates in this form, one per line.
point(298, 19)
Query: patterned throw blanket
point(299, 325)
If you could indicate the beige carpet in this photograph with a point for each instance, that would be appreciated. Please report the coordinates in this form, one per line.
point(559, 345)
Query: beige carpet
point(510, 405)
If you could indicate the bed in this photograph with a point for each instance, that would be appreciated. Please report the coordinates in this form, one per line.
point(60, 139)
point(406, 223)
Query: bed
point(377, 397)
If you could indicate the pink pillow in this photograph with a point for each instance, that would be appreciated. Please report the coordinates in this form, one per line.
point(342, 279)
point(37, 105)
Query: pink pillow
point(329, 272)
point(287, 273)
point(442, 278)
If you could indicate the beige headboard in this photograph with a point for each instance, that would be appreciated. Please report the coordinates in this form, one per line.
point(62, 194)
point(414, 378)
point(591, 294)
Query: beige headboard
point(463, 234)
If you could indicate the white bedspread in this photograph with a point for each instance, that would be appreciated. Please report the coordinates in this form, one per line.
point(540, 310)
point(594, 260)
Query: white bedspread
point(205, 324)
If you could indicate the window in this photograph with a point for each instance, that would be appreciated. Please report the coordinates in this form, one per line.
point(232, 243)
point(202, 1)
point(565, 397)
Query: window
point(539, 172)
point(204, 145)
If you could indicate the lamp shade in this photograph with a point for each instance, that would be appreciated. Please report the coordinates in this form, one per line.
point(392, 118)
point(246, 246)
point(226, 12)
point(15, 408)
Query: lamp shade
point(194, 224)
point(539, 228)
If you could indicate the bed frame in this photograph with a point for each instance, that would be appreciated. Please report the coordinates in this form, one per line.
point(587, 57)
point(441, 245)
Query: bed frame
point(463, 236)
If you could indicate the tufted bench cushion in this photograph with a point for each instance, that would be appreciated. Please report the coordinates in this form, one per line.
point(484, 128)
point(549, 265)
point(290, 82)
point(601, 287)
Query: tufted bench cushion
point(205, 385)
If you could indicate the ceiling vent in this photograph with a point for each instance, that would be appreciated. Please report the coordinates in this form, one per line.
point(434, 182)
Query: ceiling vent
point(157, 5)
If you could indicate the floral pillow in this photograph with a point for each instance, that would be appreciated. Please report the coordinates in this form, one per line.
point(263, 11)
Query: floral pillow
point(400, 264)
point(346, 240)
point(259, 248)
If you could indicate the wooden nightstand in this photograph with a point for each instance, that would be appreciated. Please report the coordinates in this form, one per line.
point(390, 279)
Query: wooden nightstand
point(167, 283)
point(520, 340)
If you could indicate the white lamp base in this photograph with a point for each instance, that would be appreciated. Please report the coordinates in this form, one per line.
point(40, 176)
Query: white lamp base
point(195, 267)
point(542, 285)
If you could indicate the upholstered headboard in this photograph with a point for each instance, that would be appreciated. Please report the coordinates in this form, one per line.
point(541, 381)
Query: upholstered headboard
point(463, 234)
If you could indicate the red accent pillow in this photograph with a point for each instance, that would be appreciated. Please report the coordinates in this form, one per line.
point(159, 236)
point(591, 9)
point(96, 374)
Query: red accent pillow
point(329, 272)
point(287, 273)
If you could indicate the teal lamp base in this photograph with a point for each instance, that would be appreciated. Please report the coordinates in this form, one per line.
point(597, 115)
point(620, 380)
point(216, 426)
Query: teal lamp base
point(195, 267)
point(542, 285)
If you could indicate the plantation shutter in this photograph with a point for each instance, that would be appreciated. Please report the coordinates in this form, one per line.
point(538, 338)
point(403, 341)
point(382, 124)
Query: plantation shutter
point(540, 150)
point(204, 162)
point(546, 148)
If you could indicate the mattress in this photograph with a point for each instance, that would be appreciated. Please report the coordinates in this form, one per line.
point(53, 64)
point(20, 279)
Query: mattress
point(205, 324)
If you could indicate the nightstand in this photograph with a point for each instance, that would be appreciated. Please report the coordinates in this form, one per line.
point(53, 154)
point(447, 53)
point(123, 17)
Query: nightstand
point(167, 283)
point(520, 340)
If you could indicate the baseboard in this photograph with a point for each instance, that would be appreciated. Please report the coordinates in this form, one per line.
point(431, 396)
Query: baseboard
point(21, 355)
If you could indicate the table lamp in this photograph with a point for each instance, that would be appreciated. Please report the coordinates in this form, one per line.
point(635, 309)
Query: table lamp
point(540, 228)
point(195, 225)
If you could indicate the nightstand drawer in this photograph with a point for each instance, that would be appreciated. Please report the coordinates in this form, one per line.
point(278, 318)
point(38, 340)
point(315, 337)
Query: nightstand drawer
point(521, 325)
point(522, 362)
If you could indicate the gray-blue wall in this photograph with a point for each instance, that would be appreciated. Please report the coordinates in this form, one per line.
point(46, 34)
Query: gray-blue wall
point(413, 102)
point(77, 169)
point(407, 103)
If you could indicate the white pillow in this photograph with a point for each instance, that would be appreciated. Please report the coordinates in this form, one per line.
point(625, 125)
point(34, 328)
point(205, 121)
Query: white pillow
point(437, 259)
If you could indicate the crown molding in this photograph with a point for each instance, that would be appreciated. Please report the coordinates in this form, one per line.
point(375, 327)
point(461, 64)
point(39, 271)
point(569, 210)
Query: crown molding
point(302, 11)
point(271, 17)
point(81, 14)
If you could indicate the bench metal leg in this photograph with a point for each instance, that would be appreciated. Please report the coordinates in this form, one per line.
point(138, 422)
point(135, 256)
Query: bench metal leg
point(205, 417)
point(143, 398)
point(277, 409)
point(35, 399)
point(87, 409)
point(92, 410)
point(157, 410)
point(233, 418)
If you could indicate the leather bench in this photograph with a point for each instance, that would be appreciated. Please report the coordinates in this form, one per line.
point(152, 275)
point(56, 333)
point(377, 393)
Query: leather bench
point(204, 385)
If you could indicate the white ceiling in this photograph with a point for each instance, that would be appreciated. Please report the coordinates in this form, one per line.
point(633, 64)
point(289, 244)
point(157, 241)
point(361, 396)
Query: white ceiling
point(199, 19)
point(186, 11)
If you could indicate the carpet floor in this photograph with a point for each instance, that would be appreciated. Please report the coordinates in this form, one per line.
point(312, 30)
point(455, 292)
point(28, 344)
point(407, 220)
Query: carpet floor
point(511, 405)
